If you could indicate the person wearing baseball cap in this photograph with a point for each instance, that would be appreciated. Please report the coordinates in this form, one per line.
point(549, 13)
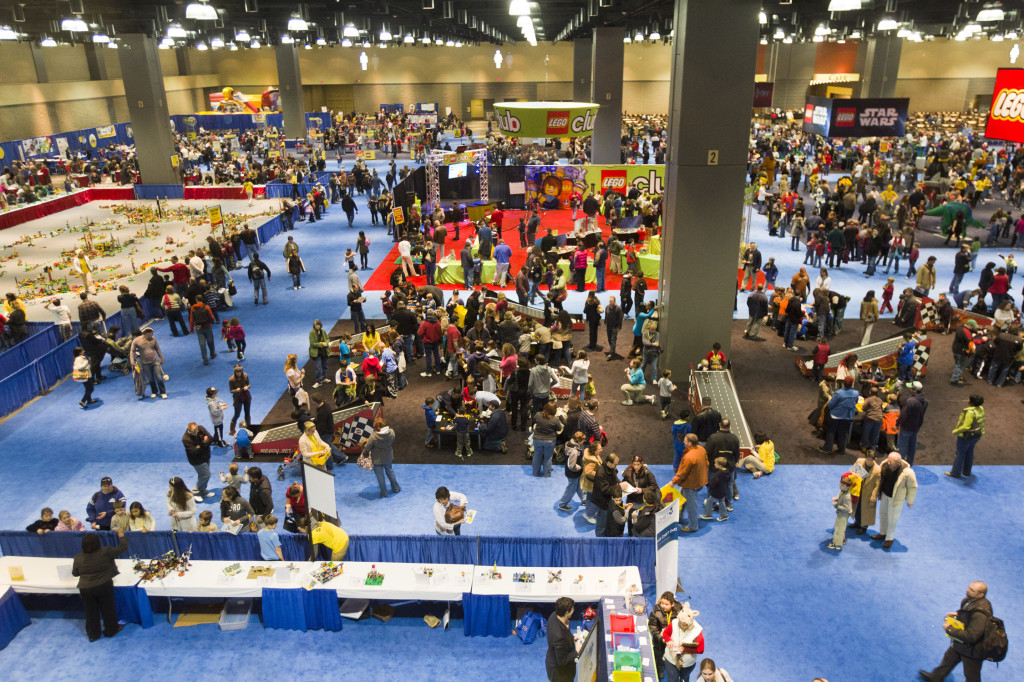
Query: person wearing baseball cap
point(842, 407)
point(100, 510)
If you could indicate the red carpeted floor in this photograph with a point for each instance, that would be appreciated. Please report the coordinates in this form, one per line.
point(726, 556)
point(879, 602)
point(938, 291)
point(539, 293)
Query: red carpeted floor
point(560, 220)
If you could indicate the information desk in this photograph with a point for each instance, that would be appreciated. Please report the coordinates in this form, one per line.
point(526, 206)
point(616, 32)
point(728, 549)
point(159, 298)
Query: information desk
point(206, 579)
point(595, 583)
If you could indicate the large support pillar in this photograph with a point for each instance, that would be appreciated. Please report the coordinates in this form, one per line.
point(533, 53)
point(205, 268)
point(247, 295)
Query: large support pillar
point(39, 63)
point(290, 86)
point(878, 63)
point(791, 67)
point(709, 125)
point(581, 51)
point(606, 83)
point(181, 54)
point(94, 60)
point(147, 108)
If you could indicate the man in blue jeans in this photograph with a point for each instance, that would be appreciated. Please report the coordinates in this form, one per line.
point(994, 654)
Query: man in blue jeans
point(200, 320)
point(466, 260)
point(841, 407)
point(197, 448)
point(910, 421)
point(692, 477)
point(794, 316)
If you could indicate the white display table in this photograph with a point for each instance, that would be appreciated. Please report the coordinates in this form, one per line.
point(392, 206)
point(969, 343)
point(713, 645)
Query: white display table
point(53, 576)
point(594, 584)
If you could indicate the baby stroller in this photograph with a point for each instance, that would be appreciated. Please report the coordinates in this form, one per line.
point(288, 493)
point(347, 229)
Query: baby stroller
point(118, 351)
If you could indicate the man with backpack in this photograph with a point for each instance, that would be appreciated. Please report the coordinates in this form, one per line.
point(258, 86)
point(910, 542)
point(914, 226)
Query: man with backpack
point(975, 634)
point(200, 320)
point(257, 268)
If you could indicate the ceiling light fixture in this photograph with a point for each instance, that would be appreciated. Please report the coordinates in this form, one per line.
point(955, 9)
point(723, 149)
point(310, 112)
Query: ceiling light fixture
point(626, 39)
point(991, 12)
point(242, 36)
point(8, 33)
point(449, 43)
point(518, 8)
point(844, 5)
point(200, 11)
point(216, 42)
point(255, 44)
point(297, 24)
point(233, 47)
point(408, 39)
point(100, 38)
point(346, 42)
point(639, 37)
point(887, 24)
point(425, 40)
point(779, 34)
point(74, 25)
point(385, 34)
point(202, 46)
point(350, 31)
point(822, 30)
point(287, 39)
point(321, 41)
point(762, 18)
point(175, 31)
point(48, 42)
point(971, 29)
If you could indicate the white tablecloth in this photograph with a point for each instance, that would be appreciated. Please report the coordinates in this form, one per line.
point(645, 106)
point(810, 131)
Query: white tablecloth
point(206, 579)
point(596, 583)
point(42, 577)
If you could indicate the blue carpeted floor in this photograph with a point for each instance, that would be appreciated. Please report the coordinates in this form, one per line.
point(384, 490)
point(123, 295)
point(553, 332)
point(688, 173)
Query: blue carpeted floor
point(775, 604)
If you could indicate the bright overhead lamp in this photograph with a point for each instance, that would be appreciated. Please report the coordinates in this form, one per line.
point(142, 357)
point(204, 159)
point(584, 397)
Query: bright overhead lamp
point(216, 42)
point(175, 31)
point(366, 43)
point(762, 18)
point(346, 43)
point(843, 5)
point(202, 47)
point(904, 32)
point(8, 33)
point(524, 21)
point(166, 44)
point(200, 11)
point(458, 43)
point(818, 39)
point(449, 43)
point(971, 29)
point(655, 35)
point(627, 39)
point(888, 24)
point(822, 30)
point(779, 34)
point(112, 44)
point(101, 38)
point(321, 41)
point(242, 36)
point(385, 34)
point(233, 47)
point(297, 24)
point(439, 42)
point(255, 44)
point(408, 39)
point(518, 8)
point(788, 40)
point(350, 31)
point(639, 37)
point(287, 39)
point(425, 40)
point(363, 60)
point(991, 13)
point(855, 35)
point(764, 41)
point(307, 46)
point(48, 42)
point(74, 25)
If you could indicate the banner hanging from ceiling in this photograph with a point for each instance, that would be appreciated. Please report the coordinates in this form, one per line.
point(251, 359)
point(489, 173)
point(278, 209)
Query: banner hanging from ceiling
point(1006, 116)
point(545, 119)
point(763, 94)
point(875, 117)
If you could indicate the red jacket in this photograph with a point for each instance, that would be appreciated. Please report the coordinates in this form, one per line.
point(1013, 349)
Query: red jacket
point(821, 352)
point(430, 332)
point(1000, 285)
point(180, 272)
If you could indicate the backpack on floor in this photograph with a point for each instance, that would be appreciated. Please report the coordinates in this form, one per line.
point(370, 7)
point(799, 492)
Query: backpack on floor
point(993, 644)
point(530, 625)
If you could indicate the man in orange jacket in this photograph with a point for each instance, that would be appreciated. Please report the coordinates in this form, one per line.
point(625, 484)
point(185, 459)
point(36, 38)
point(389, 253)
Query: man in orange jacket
point(691, 478)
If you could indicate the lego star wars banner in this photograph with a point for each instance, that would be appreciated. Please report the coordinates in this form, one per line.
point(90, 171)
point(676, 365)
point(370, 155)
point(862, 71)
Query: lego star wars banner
point(545, 119)
point(1006, 117)
point(856, 117)
point(553, 186)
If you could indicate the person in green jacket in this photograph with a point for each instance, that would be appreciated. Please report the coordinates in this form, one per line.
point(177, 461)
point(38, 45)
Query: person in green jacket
point(970, 427)
point(318, 351)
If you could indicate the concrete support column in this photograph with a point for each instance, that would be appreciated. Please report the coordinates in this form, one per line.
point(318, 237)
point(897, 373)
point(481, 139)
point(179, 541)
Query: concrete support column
point(790, 67)
point(606, 86)
point(709, 122)
point(581, 58)
point(39, 63)
point(184, 61)
point(878, 63)
point(147, 108)
point(94, 60)
point(290, 85)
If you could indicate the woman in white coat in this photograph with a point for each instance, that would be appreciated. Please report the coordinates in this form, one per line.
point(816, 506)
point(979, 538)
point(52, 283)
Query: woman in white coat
point(181, 506)
point(684, 640)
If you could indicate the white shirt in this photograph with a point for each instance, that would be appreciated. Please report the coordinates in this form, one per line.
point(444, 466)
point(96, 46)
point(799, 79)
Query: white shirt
point(404, 247)
point(61, 313)
point(197, 266)
point(824, 284)
point(442, 527)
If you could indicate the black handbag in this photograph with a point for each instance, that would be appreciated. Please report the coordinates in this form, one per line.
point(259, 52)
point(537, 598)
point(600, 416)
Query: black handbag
point(232, 289)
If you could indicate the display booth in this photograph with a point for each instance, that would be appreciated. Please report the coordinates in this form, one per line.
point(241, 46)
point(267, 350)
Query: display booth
point(461, 177)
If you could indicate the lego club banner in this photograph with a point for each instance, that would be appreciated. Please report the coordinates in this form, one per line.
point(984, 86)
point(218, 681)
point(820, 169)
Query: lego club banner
point(763, 94)
point(553, 186)
point(1006, 117)
point(856, 117)
point(545, 119)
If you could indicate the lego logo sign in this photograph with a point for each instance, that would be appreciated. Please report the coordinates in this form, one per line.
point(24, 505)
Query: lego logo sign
point(613, 180)
point(558, 123)
point(845, 117)
point(1006, 117)
point(809, 114)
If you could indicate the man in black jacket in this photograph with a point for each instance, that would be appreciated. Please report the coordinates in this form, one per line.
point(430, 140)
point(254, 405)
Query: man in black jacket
point(560, 661)
point(197, 448)
point(706, 421)
point(751, 264)
point(757, 308)
point(256, 270)
point(95, 569)
point(972, 618)
point(155, 292)
point(406, 324)
point(612, 325)
point(606, 481)
point(260, 495)
point(724, 443)
point(961, 264)
point(492, 434)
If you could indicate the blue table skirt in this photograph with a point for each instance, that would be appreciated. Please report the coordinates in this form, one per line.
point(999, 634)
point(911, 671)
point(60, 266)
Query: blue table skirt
point(301, 609)
point(133, 606)
point(13, 617)
point(486, 615)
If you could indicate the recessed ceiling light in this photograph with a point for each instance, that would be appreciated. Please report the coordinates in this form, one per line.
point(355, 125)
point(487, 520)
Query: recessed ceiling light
point(297, 24)
point(74, 25)
point(200, 11)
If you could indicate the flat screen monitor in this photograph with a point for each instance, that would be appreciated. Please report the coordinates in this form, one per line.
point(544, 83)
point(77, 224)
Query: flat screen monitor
point(457, 170)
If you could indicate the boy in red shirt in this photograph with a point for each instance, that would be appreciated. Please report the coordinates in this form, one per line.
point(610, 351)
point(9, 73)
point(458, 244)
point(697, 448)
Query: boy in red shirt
point(821, 352)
